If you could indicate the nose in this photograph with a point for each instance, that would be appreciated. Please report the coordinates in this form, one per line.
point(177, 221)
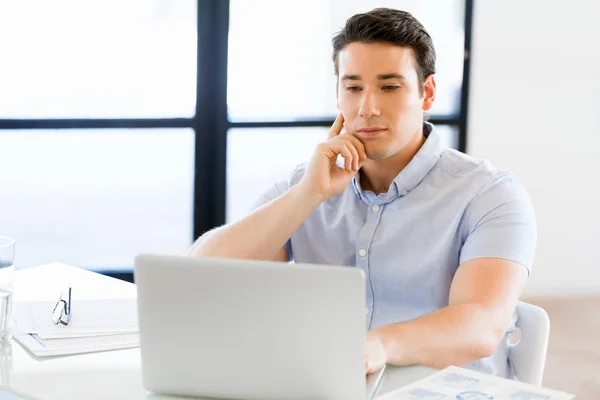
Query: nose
point(369, 105)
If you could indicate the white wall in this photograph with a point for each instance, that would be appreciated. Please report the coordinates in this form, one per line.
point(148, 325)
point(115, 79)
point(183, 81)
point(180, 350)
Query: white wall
point(534, 109)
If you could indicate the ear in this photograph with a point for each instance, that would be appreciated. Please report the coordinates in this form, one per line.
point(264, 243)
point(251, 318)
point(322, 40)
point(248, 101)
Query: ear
point(428, 92)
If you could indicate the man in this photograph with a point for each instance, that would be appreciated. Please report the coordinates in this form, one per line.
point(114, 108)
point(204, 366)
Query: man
point(446, 241)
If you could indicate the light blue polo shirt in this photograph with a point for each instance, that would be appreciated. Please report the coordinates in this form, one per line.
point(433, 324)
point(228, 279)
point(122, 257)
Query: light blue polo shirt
point(443, 209)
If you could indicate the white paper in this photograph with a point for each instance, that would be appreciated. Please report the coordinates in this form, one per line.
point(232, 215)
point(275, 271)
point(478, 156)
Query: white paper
point(87, 317)
point(54, 347)
point(454, 383)
point(77, 335)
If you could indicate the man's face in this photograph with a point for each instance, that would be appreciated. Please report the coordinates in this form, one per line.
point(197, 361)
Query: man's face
point(380, 96)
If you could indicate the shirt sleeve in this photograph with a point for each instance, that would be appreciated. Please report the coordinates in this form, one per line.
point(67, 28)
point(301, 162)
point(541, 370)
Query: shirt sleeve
point(500, 223)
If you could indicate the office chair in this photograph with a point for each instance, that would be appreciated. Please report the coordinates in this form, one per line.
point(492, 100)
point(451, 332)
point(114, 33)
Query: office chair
point(528, 355)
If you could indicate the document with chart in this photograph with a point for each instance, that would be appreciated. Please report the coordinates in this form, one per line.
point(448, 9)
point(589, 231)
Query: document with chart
point(454, 383)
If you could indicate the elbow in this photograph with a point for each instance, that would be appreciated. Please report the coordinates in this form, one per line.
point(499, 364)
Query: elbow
point(483, 350)
point(201, 248)
point(487, 330)
point(486, 344)
point(195, 250)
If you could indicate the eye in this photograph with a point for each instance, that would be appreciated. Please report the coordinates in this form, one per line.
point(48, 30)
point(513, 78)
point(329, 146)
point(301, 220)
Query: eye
point(352, 88)
point(390, 88)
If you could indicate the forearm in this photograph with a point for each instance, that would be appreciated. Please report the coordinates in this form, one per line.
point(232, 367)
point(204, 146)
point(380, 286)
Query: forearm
point(455, 335)
point(261, 234)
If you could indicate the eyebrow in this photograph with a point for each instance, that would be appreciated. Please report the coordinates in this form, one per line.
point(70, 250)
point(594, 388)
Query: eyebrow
point(380, 77)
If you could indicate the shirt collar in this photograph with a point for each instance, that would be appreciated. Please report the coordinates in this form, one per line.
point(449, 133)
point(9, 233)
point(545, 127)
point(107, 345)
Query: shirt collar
point(416, 170)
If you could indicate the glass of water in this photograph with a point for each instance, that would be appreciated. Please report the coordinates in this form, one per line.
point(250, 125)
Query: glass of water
point(7, 271)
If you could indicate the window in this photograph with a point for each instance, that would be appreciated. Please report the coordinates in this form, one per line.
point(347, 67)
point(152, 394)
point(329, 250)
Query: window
point(137, 125)
point(96, 198)
point(97, 59)
point(280, 65)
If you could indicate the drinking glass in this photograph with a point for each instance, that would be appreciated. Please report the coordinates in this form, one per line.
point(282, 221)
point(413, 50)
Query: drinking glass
point(7, 271)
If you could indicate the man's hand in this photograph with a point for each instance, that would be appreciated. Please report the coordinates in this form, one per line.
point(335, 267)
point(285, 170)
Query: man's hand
point(375, 357)
point(323, 177)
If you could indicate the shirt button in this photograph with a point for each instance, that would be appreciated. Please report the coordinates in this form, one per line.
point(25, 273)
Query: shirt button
point(366, 311)
point(375, 208)
point(405, 193)
point(362, 252)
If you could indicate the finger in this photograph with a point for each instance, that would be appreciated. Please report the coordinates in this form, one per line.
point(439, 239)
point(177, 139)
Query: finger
point(347, 154)
point(355, 157)
point(337, 126)
point(360, 147)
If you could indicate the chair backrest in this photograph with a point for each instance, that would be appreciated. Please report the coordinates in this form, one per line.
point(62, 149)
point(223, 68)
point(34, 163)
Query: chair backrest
point(529, 354)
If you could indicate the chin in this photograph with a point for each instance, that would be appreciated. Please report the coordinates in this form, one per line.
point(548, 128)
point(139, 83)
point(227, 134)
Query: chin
point(378, 154)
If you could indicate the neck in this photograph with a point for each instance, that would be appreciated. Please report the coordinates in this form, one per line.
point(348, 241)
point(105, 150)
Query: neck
point(378, 175)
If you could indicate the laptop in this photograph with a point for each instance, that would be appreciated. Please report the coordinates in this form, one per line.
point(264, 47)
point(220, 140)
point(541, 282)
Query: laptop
point(240, 329)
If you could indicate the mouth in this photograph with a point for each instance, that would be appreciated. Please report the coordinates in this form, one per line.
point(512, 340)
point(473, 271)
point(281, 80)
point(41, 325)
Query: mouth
point(370, 132)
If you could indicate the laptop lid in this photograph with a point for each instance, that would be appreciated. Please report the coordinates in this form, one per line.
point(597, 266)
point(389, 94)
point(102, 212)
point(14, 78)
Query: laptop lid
point(251, 329)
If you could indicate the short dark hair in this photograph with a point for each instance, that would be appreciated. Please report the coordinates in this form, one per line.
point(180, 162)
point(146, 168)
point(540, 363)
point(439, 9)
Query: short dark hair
point(387, 25)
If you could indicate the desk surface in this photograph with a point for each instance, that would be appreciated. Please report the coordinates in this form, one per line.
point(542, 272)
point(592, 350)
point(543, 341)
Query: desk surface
point(105, 375)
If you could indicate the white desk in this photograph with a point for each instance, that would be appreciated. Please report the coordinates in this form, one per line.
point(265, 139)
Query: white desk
point(110, 375)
